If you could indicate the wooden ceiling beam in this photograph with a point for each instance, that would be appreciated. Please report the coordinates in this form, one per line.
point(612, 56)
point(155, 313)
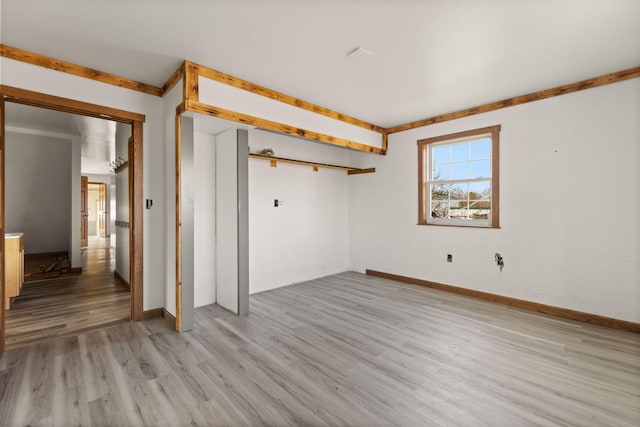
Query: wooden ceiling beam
point(522, 99)
point(175, 78)
point(221, 77)
point(77, 70)
point(210, 110)
point(189, 72)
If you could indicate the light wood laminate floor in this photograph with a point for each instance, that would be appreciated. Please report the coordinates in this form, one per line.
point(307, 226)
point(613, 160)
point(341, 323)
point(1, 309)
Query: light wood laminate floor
point(70, 304)
point(344, 350)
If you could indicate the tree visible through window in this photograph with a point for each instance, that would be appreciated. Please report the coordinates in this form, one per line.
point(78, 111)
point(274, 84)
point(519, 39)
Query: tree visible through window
point(459, 178)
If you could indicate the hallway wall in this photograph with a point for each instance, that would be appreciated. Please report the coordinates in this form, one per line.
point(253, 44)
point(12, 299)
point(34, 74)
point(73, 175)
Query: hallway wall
point(39, 79)
point(38, 190)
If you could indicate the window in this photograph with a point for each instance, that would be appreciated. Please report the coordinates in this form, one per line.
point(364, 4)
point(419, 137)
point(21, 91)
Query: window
point(458, 176)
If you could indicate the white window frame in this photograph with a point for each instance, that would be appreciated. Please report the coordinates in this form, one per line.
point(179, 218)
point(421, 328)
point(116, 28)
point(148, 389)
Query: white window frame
point(425, 168)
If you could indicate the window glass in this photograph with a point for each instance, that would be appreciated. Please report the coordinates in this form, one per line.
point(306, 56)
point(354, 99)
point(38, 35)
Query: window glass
point(458, 174)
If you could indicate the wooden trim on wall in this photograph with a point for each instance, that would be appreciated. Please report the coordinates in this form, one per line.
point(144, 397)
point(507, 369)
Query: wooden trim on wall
point(565, 313)
point(190, 73)
point(136, 229)
point(191, 90)
point(153, 313)
point(522, 99)
point(77, 70)
point(169, 318)
point(36, 99)
point(174, 79)
point(41, 100)
point(180, 109)
point(210, 110)
point(422, 186)
point(178, 151)
point(221, 77)
point(315, 165)
point(495, 176)
point(360, 171)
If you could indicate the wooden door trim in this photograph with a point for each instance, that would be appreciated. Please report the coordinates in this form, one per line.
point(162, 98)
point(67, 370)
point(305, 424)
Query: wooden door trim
point(41, 100)
point(67, 105)
point(136, 202)
point(84, 211)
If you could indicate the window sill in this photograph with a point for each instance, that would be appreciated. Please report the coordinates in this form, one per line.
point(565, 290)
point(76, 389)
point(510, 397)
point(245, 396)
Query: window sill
point(491, 227)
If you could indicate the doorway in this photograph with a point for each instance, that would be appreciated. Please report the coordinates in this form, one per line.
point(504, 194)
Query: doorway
point(96, 209)
point(134, 122)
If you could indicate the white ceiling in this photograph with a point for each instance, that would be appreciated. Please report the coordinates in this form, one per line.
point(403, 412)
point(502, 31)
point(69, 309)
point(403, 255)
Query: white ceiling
point(97, 136)
point(428, 57)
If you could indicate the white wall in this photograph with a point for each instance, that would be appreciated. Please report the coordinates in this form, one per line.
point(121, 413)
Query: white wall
point(31, 77)
point(75, 251)
point(38, 190)
point(307, 237)
point(204, 219)
point(568, 165)
point(239, 100)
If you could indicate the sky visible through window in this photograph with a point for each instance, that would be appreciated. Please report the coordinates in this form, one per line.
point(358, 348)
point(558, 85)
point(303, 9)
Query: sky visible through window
point(461, 179)
point(463, 160)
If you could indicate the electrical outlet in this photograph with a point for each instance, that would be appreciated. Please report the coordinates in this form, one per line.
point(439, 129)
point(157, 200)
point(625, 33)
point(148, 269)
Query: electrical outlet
point(449, 258)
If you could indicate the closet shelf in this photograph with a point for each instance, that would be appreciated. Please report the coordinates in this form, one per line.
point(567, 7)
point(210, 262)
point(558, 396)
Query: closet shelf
point(274, 162)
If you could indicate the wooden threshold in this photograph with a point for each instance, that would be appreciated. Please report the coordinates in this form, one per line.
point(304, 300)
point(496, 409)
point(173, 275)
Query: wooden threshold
point(77, 70)
point(274, 160)
point(565, 313)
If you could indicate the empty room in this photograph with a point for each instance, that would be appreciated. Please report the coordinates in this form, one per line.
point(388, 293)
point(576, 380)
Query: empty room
point(358, 213)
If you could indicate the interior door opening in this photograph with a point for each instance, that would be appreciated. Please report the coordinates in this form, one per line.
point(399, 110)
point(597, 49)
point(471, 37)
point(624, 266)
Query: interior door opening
point(43, 143)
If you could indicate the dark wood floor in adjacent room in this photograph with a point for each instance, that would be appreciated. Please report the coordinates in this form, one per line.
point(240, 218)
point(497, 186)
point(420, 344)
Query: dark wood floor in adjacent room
point(346, 350)
point(70, 304)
